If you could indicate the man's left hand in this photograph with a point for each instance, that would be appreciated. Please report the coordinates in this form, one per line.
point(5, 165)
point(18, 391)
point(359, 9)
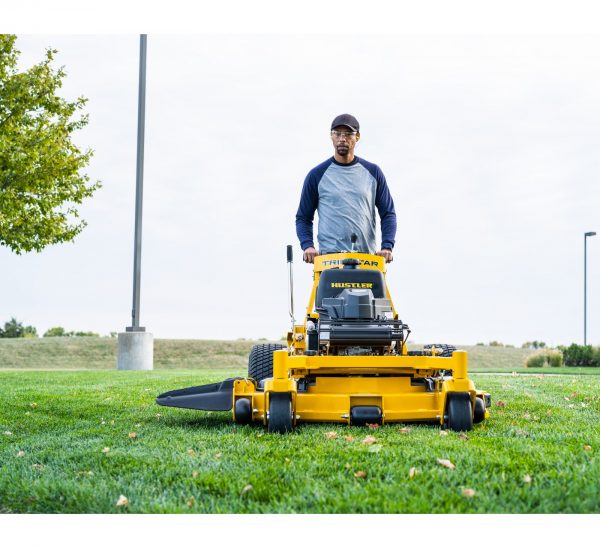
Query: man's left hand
point(386, 254)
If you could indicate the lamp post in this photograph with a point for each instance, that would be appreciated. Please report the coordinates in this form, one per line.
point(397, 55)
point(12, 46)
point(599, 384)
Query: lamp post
point(585, 237)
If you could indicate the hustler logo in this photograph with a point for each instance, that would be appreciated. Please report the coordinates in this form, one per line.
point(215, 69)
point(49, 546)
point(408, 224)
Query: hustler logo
point(352, 285)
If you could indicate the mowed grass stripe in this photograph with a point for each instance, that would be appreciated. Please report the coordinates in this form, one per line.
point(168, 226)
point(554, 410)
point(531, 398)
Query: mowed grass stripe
point(546, 429)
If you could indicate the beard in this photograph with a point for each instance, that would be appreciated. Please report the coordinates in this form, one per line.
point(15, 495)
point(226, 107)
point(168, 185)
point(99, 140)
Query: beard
point(342, 150)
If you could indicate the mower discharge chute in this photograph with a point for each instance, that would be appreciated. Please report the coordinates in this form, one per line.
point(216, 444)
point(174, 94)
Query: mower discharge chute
point(347, 363)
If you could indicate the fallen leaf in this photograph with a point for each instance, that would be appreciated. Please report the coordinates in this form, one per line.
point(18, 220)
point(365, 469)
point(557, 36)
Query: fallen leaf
point(195, 474)
point(375, 448)
point(347, 466)
point(123, 501)
point(348, 438)
point(373, 426)
point(567, 399)
point(246, 489)
point(443, 433)
point(412, 472)
point(446, 463)
point(360, 474)
point(218, 455)
point(158, 416)
point(468, 493)
point(526, 478)
point(573, 395)
point(112, 421)
point(463, 436)
point(287, 460)
point(33, 405)
point(404, 430)
point(132, 435)
point(369, 440)
point(526, 416)
point(191, 501)
point(330, 435)
point(549, 412)
point(587, 447)
point(500, 403)
point(7, 433)
point(20, 454)
point(37, 466)
point(106, 450)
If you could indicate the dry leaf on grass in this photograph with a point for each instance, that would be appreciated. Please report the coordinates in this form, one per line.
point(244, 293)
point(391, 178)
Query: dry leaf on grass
point(195, 474)
point(500, 403)
point(246, 489)
point(158, 416)
point(37, 466)
point(369, 440)
point(468, 493)
point(123, 501)
point(132, 435)
point(587, 447)
point(443, 433)
point(373, 426)
point(33, 405)
point(404, 430)
point(21, 454)
point(106, 450)
point(286, 459)
point(526, 478)
point(348, 438)
point(463, 436)
point(218, 455)
point(413, 472)
point(446, 464)
point(360, 474)
point(347, 466)
point(567, 398)
point(526, 416)
point(191, 501)
point(330, 435)
point(191, 452)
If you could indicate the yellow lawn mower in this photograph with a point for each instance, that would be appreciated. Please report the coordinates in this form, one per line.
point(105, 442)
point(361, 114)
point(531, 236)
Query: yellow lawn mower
point(348, 362)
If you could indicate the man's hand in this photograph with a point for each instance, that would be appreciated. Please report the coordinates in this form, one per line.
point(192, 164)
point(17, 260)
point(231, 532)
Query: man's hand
point(386, 254)
point(309, 254)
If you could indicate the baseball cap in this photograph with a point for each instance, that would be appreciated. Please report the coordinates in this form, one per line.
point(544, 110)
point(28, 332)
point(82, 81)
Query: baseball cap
point(346, 120)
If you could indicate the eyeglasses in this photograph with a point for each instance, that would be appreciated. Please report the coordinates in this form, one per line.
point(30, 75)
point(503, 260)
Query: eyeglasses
point(339, 134)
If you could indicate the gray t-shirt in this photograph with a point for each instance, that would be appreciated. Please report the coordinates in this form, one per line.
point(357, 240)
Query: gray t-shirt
point(345, 197)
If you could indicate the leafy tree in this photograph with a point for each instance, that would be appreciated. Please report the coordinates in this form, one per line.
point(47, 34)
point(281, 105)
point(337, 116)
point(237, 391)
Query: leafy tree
point(40, 180)
point(14, 329)
point(55, 332)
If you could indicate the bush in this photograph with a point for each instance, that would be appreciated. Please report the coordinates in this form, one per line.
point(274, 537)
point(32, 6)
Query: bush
point(581, 356)
point(13, 329)
point(56, 332)
point(534, 344)
point(496, 343)
point(545, 358)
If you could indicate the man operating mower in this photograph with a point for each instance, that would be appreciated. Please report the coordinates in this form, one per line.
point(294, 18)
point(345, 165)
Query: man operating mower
point(345, 190)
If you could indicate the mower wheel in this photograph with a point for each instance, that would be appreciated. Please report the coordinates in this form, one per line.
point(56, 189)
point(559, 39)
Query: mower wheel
point(243, 411)
point(479, 414)
point(280, 413)
point(260, 361)
point(458, 411)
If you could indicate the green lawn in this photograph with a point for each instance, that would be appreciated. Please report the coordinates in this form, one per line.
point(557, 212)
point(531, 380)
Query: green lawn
point(537, 453)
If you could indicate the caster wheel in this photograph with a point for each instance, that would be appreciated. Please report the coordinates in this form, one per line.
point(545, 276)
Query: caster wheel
point(280, 413)
point(479, 413)
point(459, 412)
point(243, 411)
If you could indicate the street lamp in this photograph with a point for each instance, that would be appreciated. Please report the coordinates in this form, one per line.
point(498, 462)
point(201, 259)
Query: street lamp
point(585, 237)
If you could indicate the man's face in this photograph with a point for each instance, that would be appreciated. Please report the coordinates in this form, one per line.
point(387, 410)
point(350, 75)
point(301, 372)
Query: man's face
point(344, 140)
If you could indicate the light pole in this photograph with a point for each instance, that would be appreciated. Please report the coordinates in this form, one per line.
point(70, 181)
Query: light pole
point(585, 237)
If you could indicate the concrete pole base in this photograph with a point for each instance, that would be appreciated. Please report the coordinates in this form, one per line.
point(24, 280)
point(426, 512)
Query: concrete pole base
point(135, 351)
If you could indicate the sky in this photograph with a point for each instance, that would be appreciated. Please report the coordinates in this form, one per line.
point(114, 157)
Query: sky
point(489, 144)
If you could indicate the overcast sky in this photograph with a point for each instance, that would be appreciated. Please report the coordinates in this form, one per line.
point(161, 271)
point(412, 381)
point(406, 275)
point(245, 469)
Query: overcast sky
point(489, 146)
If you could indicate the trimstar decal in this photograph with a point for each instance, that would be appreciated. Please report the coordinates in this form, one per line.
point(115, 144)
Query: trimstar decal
point(354, 285)
point(362, 261)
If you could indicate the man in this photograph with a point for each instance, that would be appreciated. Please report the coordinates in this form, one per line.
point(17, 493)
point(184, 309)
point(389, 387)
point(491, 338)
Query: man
point(345, 190)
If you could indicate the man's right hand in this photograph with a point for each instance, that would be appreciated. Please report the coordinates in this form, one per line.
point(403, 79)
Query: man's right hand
point(309, 254)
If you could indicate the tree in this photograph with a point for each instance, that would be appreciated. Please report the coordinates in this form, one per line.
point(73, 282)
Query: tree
point(40, 179)
point(56, 332)
point(13, 329)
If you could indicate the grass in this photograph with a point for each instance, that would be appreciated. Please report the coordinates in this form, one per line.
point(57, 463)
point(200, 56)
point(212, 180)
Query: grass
point(190, 461)
point(101, 353)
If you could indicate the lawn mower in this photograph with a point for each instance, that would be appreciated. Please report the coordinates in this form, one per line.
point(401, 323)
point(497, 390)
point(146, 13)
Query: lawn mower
point(348, 362)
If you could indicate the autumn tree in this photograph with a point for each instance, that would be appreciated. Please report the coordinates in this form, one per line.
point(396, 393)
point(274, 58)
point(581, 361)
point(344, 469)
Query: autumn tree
point(40, 166)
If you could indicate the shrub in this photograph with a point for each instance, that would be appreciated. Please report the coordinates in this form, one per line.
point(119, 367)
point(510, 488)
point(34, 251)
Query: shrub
point(545, 357)
point(534, 344)
point(56, 332)
point(581, 356)
point(496, 343)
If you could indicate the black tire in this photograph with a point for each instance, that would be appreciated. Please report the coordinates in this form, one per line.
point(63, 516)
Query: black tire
point(444, 350)
point(243, 411)
point(280, 413)
point(459, 415)
point(479, 413)
point(260, 361)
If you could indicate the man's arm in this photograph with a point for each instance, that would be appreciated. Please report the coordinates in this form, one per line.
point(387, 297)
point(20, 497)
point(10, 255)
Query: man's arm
point(309, 200)
point(387, 214)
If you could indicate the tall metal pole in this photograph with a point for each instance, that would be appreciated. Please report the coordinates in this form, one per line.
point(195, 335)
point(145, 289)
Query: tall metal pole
point(585, 237)
point(139, 191)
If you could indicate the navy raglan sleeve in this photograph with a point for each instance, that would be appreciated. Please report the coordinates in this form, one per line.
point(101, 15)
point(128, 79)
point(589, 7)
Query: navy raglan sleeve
point(309, 200)
point(387, 213)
